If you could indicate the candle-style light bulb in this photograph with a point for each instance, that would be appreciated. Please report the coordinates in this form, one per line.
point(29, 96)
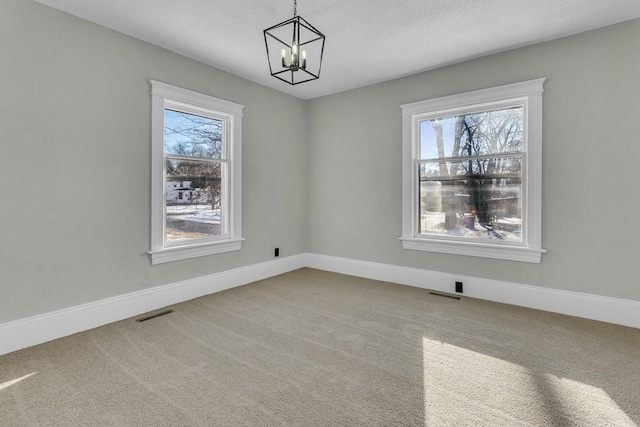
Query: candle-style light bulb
point(283, 53)
point(304, 59)
point(294, 55)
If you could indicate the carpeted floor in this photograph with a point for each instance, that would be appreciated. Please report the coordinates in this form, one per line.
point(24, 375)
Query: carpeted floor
point(312, 348)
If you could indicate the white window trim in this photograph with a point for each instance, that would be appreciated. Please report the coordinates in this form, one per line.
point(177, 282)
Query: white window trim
point(530, 94)
point(161, 94)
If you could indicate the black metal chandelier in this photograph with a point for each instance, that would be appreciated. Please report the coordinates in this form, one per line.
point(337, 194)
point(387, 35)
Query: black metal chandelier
point(294, 49)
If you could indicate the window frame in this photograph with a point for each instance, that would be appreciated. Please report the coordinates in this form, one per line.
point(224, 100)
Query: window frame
point(166, 96)
point(527, 94)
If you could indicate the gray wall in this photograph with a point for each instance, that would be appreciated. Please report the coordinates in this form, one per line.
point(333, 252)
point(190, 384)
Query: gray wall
point(591, 155)
point(75, 163)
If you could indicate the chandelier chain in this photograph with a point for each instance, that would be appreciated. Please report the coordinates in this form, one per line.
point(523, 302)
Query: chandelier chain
point(295, 8)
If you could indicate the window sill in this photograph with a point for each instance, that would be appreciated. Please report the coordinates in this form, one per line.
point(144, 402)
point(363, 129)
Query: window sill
point(511, 253)
point(192, 251)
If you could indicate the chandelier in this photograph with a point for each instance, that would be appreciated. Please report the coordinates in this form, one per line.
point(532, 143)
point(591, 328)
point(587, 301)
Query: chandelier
point(294, 49)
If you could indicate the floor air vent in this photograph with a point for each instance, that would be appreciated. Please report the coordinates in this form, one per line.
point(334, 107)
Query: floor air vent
point(154, 315)
point(444, 295)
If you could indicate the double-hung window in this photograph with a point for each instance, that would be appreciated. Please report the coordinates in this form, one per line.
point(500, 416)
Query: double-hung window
point(196, 150)
point(472, 168)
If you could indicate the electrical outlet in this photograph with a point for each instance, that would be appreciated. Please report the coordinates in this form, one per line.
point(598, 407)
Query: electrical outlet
point(459, 287)
point(276, 253)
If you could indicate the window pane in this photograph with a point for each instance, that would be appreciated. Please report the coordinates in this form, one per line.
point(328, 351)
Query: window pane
point(476, 134)
point(192, 136)
point(194, 196)
point(475, 198)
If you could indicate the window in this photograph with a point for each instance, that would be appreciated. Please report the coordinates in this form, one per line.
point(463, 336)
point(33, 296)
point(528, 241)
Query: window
point(472, 168)
point(195, 185)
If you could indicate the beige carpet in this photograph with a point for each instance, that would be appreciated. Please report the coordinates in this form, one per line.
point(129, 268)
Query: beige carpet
point(311, 348)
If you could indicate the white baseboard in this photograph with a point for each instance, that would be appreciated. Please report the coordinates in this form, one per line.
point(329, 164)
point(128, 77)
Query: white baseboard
point(49, 326)
point(604, 309)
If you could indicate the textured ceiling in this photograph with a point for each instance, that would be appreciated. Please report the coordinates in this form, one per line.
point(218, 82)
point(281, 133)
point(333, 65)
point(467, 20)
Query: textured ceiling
point(368, 41)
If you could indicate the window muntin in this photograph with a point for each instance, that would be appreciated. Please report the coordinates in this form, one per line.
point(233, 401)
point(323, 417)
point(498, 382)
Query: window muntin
point(472, 173)
point(196, 174)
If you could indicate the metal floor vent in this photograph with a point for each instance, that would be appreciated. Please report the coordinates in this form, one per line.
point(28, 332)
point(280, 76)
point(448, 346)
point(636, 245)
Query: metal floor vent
point(154, 315)
point(444, 295)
